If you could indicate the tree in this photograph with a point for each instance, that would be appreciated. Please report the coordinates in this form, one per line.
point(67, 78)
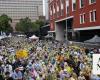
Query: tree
point(40, 23)
point(26, 25)
point(5, 23)
point(35, 26)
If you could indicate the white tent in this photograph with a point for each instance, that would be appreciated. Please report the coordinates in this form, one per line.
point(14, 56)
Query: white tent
point(33, 37)
point(95, 39)
point(2, 37)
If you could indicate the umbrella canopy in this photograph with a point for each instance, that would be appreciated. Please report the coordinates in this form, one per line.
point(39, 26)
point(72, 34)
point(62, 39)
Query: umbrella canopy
point(21, 35)
point(9, 35)
point(95, 39)
point(33, 37)
point(22, 54)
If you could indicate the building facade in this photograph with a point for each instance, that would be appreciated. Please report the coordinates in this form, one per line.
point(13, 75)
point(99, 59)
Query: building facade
point(17, 9)
point(46, 9)
point(74, 19)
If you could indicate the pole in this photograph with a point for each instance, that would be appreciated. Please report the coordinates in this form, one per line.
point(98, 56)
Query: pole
point(66, 33)
point(37, 11)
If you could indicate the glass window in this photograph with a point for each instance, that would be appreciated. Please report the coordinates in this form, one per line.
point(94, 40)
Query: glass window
point(93, 16)
point(82, 18)
point(57, 7)
point(73, 5)
point(62, 4)
point(50, 11)
point(67, 6)
point(53, 9)
point(92, 1)
point(81, 3)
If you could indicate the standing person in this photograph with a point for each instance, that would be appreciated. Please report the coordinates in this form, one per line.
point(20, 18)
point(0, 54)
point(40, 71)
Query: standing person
point(73, 77)
point(8, 68)
point(81, 77)
point(1, 76)
point(17, 75)
point(7, 76)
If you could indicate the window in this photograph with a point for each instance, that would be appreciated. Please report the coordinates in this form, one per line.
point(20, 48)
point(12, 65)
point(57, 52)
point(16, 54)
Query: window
point(54, 10)
point(73, 5)
point(51, 10)
point(57, 4)
point(92, 1)
point(82, 18)
point(57, 7)
point(62, 12)
point(67, 6)
point(81, 3)
point(62, 4)
point(93, 16)
point(62, 7)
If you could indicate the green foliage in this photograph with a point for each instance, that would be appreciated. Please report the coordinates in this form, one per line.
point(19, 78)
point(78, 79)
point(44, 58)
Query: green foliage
point(40, 23)
point(35, 26)
point(26, 25)
point(5, 23)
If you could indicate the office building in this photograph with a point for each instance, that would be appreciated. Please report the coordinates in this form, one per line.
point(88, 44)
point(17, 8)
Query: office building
point(17, 9)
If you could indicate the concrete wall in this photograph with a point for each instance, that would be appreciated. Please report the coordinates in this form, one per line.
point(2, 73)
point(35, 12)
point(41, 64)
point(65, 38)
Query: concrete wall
point(59, 30)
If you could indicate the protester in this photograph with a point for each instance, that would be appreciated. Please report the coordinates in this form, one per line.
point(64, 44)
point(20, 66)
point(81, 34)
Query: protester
point(45, 60)
point(7, 76)
point(17, 75)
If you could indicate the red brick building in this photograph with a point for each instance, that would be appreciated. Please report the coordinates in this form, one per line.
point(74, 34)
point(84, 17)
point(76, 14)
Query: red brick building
point(76, 19)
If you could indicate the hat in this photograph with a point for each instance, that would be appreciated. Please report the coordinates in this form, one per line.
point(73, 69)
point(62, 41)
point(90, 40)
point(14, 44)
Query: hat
point(17, 69)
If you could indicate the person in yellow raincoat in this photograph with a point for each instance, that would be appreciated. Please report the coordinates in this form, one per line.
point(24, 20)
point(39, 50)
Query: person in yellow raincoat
point(68, 68)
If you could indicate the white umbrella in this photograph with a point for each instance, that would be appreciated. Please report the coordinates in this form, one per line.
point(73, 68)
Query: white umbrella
point(33, 37)
point(21, 35)
point(2, 37)
point(10, 35)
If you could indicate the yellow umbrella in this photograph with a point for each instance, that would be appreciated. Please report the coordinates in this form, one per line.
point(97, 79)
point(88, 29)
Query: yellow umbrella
point(22, 54)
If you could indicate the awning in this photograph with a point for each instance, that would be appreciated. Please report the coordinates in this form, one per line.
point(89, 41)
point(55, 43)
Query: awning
point(51, 31)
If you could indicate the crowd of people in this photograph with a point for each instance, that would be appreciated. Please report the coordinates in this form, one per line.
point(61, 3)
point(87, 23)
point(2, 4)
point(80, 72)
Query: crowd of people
point(47, 60)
